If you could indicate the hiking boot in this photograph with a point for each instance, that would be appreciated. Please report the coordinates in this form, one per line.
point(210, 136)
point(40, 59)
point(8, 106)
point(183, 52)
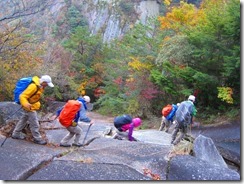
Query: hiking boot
point(77, 144)
point(42, 142)
point(64, 145)
point(20, 136)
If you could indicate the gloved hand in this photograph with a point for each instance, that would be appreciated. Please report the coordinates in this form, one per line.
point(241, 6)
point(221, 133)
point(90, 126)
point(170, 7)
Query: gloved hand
point(134, 139)
point(91, 122)
point(28, 106)
point(74, 124)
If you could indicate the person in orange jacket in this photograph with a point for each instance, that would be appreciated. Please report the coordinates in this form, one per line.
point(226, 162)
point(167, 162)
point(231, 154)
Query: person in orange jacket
point(30, 102)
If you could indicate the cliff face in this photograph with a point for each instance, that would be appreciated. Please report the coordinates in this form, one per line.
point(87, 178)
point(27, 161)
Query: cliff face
point(111, 18)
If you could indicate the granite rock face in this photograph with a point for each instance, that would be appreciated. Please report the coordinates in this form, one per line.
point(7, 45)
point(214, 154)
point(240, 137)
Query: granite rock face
point(104, 158)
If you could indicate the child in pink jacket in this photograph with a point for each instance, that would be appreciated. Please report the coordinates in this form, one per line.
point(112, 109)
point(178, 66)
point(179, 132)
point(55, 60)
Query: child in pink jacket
point(125, 126)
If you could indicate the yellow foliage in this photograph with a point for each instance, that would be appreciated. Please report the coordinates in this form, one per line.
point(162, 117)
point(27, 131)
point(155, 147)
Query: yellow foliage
point(183, 16)
point(18, 58)
point(82, 88)
point(225, 94)
point(130, 79)
point(167, 2)
point(136, 64)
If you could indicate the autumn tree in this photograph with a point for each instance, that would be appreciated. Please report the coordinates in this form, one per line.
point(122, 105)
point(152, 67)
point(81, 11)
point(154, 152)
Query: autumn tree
point(19, 50)
point(128, 65)
point(87, 58)
point(197, 55)
point(18, 58)
point(217, 47)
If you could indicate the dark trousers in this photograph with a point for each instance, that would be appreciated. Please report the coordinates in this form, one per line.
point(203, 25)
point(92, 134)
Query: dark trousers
point(180, 128)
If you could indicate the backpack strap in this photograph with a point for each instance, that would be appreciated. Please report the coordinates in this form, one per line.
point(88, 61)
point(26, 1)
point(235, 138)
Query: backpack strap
point(37, 88)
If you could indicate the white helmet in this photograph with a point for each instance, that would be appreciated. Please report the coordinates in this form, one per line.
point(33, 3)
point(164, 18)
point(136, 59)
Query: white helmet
point(47, 79)
point(192, 98)
point(87, 99)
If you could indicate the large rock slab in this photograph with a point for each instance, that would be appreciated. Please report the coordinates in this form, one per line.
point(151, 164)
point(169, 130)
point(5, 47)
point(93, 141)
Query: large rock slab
point(19, 158)
point(117, 153)
point(187, 167)
point(205, 149)
point(226, 138)
point(74, 170)
point(153, 136)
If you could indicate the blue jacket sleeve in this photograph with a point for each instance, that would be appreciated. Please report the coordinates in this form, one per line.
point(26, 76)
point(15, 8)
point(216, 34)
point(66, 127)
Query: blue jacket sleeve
point(77, 116)
point(59, 111)
point(82, 115)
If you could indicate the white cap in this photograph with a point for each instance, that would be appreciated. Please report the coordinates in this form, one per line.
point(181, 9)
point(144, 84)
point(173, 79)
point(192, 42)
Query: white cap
point(87, 99)
point(192, 98)
point(47, 79)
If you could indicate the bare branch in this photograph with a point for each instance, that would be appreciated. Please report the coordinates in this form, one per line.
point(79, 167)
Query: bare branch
point(14, 9)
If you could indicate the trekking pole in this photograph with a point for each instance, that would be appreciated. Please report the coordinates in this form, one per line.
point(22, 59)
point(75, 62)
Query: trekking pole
point(13, 113)
point(11, 131)
point(86, 134)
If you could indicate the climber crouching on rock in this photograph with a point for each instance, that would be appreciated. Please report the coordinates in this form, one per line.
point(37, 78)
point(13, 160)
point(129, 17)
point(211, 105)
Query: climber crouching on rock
point(125, 126)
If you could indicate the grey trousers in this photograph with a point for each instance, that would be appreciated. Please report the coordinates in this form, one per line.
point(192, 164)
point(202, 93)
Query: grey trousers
point(164, 123)
point(182, 132)
point(33, 123)
point(73, 131)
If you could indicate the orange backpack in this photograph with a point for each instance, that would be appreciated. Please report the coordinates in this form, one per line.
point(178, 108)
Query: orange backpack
point(166, 110)
point(68, 113)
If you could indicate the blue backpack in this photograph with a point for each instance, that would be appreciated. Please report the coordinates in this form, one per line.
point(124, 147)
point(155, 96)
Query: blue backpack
point(172, 112)
point(20, 86)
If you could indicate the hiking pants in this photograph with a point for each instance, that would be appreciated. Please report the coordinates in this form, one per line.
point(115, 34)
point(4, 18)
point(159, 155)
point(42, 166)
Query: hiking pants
point(33, 123)
point(178, 128)
point(73, 131)
point(164, 123)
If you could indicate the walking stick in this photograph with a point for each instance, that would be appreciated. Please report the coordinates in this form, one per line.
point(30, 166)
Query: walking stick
point(86, 134)
point(13, 113)
point(10, 132)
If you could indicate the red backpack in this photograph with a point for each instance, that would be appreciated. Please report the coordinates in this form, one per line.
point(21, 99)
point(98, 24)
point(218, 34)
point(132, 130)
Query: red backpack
point(166, 110)
point(68, 113)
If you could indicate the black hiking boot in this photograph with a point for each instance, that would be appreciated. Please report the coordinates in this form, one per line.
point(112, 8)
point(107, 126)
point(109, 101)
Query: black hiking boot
point(77, 144)
point(20, 137)
point(41, 142)
point(64, 145)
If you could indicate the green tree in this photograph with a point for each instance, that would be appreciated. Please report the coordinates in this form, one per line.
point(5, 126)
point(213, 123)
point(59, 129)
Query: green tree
point(87, 53)
point(217, 50)
point(231, 73)
point(203, 51)
point(128, 65)
point(75, 18)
